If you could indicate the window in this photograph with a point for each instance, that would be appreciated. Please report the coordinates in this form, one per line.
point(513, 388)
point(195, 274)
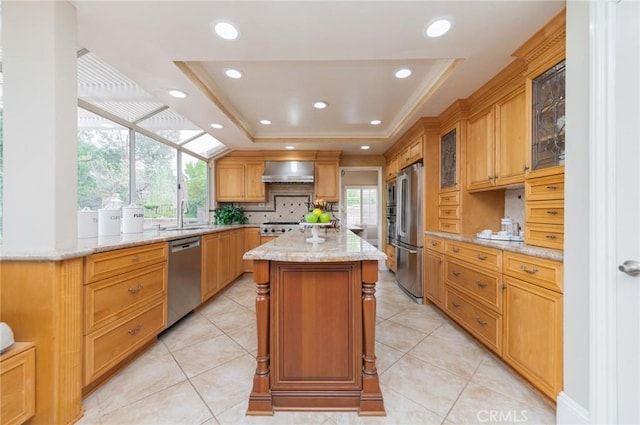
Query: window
point(194, 174)
point(361, 205)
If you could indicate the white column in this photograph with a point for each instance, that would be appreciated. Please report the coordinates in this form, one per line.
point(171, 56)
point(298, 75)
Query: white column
point(40, 118)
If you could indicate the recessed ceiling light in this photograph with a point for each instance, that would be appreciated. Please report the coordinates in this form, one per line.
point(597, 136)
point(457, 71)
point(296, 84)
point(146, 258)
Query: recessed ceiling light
point(177, 93)
point(438, 27)
point(265, 122)
point(225, 30)
point(320, 104)
point(216, 125)
point(289, 148)
point(365, 147)
point(233, 73)
point(375, 122)
point(403, 73)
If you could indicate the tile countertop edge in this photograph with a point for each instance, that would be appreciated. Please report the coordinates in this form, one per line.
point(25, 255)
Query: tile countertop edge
point(340, 246)
point(517, 247)
point(109, 243)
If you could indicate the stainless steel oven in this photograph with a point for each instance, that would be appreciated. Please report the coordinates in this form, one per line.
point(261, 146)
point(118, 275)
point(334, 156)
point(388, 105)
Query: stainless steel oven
point(391, 193)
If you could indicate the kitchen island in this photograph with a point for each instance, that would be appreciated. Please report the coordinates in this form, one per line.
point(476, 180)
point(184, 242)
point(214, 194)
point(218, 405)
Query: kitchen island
point(315, 317)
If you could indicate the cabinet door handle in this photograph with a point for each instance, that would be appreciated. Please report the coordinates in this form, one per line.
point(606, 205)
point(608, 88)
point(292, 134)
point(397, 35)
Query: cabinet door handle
point(136, 289)
point(481, 322)
point(481, 257)
point(490, 178)
point(526, 270)
point(446, 225)
point(135, 330)
point(455, 273)
point(552, 187)
point(552, 212)
point(525, 167)
point(550, 236)
point(455, 304)
point(454, 249)
point(434, 243)
point(481, 284)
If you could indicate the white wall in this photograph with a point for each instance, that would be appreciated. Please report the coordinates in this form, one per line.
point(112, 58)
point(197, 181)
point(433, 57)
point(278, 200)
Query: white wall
point(576, 250)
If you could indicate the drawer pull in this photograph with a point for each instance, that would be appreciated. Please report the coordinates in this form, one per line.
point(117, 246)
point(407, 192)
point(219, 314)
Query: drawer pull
point(455, 304)
point(434, 243)
point(552, 212)
point(455, 273)
point(454, 249)
point(552, 187)
point(526, 270)
point(135, 330)
point(446, 225)
point(445, 199)
point(135, 290)
point(481, 284)
point(447, 212)
point(481, 257)
point(135, 258)
point(550, 236)
point(481, 322)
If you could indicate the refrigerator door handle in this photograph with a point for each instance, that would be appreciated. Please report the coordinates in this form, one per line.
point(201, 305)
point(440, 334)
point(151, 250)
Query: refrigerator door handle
point(405, 249)
point(401, 189)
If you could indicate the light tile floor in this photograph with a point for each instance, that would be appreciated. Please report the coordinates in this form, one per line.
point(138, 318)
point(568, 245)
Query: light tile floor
point(200, 372)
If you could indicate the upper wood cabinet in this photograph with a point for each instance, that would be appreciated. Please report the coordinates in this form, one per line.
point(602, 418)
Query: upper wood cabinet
point(496, 144)
point(449, 160)
point(326, 181)
point(410, 154)
point(391, 169)
point(240, 181)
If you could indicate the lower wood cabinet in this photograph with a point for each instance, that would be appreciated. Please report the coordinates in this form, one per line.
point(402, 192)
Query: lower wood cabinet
point(221, 260)
point(18, 383)
point(434, 277)
point(390, 250)
point(251, 240)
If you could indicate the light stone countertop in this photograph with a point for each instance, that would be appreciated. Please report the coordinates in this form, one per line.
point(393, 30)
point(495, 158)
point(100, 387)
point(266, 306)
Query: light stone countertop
point(340, 245)
point(518, 247)
point(90, 246)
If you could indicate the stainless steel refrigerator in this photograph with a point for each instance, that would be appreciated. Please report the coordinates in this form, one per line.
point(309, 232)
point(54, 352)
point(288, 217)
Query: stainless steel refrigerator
point(409, 235)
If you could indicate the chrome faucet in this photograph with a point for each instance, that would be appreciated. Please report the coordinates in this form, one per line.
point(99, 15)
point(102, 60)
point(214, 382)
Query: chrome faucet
point(181, 214)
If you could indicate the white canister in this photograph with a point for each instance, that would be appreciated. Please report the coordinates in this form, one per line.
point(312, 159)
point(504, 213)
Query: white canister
point(132, 219)
point(108, 222)
point(87, 223)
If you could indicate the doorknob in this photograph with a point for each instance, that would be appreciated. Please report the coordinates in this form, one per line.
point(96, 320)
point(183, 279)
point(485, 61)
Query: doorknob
point(630, 267)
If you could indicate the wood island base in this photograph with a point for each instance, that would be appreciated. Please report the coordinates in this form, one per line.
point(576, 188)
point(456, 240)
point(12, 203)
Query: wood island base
point(316, 338)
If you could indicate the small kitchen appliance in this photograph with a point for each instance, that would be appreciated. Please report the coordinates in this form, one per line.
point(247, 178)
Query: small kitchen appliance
point(132, 219)
point(87, 223)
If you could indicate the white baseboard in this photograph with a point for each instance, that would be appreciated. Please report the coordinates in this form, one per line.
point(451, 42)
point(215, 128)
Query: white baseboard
point(570, 412)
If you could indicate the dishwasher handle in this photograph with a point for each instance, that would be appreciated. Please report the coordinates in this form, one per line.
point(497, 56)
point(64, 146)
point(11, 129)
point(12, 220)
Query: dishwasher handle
point(181, 245)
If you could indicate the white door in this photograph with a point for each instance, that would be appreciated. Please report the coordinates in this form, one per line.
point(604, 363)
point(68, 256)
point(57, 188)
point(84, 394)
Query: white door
point(627, 209)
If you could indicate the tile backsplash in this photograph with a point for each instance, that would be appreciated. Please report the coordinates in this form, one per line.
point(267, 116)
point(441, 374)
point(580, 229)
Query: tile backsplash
point(514, 204)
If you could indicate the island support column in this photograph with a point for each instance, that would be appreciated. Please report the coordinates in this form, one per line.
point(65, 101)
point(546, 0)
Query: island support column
point(260, 401)
point(371, 403)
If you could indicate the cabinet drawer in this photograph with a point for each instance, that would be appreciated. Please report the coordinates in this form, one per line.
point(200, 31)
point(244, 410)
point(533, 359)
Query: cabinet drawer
point(111, 299)
point(447, 212)
point(542, 272)
point(110, 345)
point(106, 264)
point(544, 188)
point(483, 324)
point(390, 250)
point(546, 235)
point(449, 198)
point(17, 383)
point(545, 212)
point(483, 287)
point(475, 254)
point(434, 243)
point(449, 225)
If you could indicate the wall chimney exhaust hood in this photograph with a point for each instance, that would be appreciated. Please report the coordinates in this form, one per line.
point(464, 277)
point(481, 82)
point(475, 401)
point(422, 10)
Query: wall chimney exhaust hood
point(288, 172)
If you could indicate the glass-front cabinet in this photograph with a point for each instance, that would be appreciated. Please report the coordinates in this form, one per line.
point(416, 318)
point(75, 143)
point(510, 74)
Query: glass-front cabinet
point(548, 118)
point(448, 161)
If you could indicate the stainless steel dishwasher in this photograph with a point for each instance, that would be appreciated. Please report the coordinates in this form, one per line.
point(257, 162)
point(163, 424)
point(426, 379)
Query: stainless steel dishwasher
point(184, 278)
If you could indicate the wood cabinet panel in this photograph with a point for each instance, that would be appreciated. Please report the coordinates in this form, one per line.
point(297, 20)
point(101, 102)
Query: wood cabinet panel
point(412, 153)
point(210, 257)
point(542, 272)
point(434, 277)
point(484, 324)
point(391, 169)
point(326, 180)
point(481, 286)
point(449, 198)
point(435, 244)
point(480, 150)
point(546, 235)
point(230, 182)
point(111, 344)
point(482, 256)
point(533, 334)
point(251, 240)
point(17, 383)
point(255, 190)
point(390, 250)
point(511, 145)
point(110, 299)
point(449, 225)
point(544, 188)
point(107, 264)
point(449, 212)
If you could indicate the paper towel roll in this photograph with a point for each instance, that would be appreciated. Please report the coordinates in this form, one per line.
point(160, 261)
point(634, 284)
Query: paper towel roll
point(87, 223)
point(108, 222)
point(132, 219)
